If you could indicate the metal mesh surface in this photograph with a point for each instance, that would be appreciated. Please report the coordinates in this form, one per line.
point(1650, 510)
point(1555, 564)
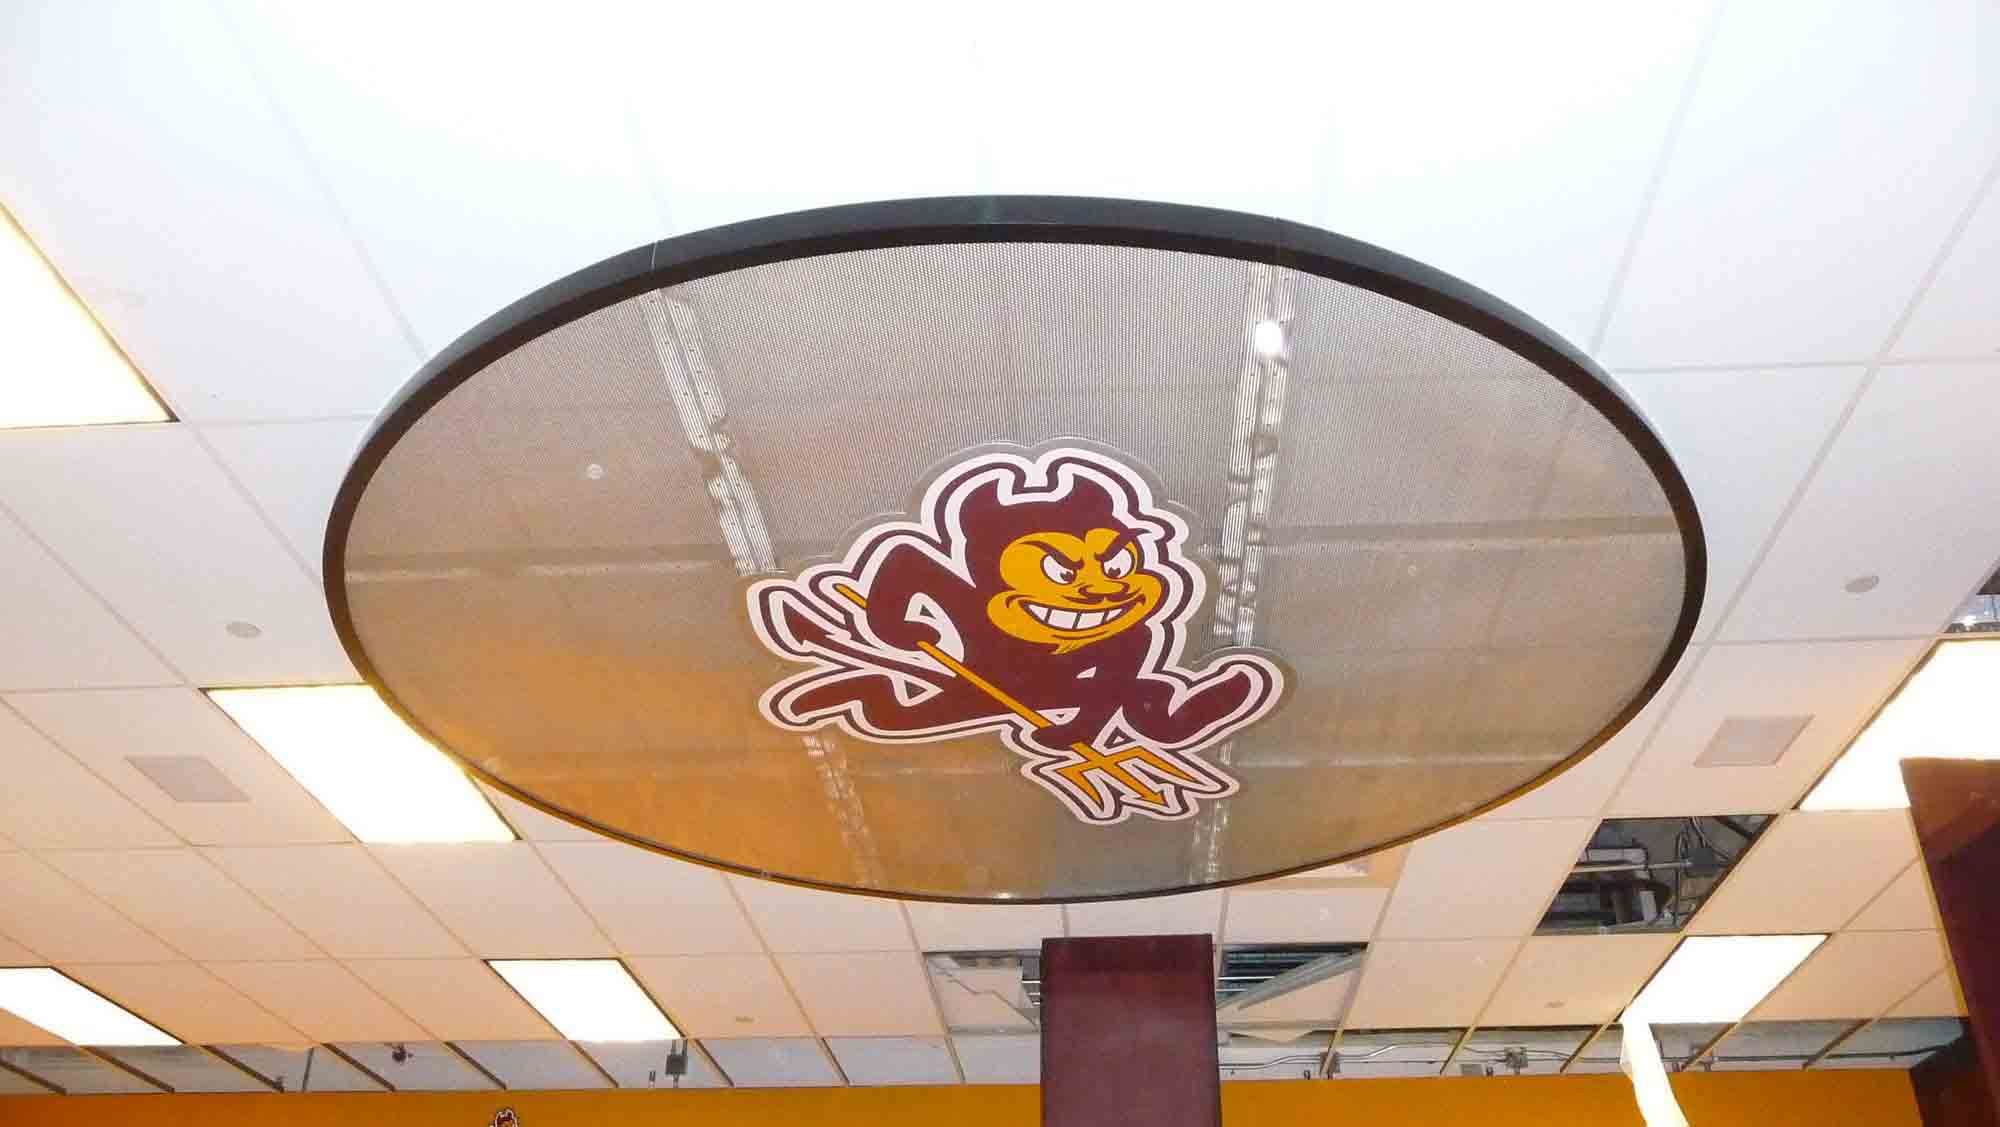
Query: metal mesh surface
point(1466, 570)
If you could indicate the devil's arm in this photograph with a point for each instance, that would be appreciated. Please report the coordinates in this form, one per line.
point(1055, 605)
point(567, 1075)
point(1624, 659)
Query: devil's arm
point(905, 575)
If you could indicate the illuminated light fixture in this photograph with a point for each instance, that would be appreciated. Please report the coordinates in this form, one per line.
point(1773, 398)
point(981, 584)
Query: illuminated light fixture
point(1268, 338)
point(1716, 979)
point(57, 1003)
point(385, 782)
point(57, 366)
point(1944, 711)
point(587, 999)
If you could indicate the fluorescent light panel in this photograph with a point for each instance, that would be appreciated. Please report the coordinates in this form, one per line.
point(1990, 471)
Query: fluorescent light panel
point(45, 997)
point(1944, 711)
point(57, 368)
point(386, 783)
point(587, 999)
point(1719, 978)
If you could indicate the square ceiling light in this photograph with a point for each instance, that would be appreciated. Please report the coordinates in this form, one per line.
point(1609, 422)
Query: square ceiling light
point(46, 997)
point(385, 783)
point(57, 366)
point(1719, 978)
point(587, 999)
point(1944, 711)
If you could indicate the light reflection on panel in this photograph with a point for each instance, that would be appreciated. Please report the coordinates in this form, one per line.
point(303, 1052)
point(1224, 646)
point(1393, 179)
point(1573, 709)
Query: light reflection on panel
point(1518, 1052)
point(185, 1068)
point(774, 1062)
point(1394, 1052)
point(645, 1064)
point(418, 1066)
point(311, 1068)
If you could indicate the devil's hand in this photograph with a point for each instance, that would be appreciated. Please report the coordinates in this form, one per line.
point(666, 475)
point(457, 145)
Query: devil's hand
point(895, 630)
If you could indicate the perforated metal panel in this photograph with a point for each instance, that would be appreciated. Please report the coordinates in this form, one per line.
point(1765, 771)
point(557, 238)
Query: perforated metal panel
point(1425, 554)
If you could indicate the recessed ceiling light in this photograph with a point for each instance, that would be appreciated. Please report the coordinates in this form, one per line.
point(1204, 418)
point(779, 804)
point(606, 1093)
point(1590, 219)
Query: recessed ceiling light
point(46, 997)
point(1268, 338)
point(386, 783)
point(1719, 978)
point(587, 999)
point(59, 367)
point(1944, 711)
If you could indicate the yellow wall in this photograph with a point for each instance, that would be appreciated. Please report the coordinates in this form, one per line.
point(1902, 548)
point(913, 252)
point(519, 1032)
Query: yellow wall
point(1725, 1099)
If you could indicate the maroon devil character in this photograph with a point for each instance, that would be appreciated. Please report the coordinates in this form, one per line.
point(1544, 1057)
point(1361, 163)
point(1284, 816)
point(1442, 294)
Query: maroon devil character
point(1046, 599)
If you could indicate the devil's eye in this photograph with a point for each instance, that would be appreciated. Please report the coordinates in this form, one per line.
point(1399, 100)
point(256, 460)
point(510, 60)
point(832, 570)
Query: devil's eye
point(1118, 566)
point(1057, 571)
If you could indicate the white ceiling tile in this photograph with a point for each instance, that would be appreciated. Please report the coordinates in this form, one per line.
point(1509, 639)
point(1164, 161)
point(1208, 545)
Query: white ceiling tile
point(1150, 134)
point(1582, 790)
point(1937, 998)
point(292, 471)
point(860, 132)
point(340, 898)
point(775, 1063)
point(446, 162)
point(650, 904)
point(1427, 984)
point(1911, 468)
point(148, 164)
point(1855, 975)
point(1743, 462)
point(1957, 316)
point(456, 999)
point(12, 954)
point(1575, 979)
point(499, 899)
point(869, 994)
point(104, 728)
point(16, 1032)
point(894, 1060)
point(322, 999)
point(1768, 240)
point(999, 1058)
point(1838, 684)
point(1184, 914)
point(186, 1000)
point(722, 995)
point(52, 801)
point(58, 634)
point(1906, 905)
point(532, 823)
point(1810, 872)
point(94, 494)
point(1483, 878)
point(59, 920)
point(983, 927)
point(806, 919)
point(1333, 915)
point(177, 895)
point(1558, 112)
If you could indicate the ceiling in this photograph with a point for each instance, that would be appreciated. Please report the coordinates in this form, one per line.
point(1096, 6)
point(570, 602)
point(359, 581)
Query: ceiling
point(1774, 224)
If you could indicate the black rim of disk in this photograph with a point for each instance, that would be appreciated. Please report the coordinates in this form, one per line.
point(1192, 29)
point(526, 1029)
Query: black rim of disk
point(957, 220)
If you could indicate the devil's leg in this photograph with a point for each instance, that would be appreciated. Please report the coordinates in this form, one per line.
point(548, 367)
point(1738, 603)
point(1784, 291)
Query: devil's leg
point(1217, 694)
point(883, 711)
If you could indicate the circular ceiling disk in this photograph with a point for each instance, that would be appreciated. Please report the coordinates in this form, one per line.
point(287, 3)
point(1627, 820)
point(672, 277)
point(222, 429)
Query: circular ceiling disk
point(1014, 548)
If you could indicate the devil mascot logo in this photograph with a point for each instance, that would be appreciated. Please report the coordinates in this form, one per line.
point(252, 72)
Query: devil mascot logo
point(1045, 598)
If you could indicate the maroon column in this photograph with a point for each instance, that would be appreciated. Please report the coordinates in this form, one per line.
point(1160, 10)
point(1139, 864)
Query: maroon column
point(1956, 805)
point(1128, 1032)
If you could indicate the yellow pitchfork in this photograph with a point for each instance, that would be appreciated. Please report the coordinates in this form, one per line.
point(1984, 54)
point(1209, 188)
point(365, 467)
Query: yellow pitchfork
point(1112, 764)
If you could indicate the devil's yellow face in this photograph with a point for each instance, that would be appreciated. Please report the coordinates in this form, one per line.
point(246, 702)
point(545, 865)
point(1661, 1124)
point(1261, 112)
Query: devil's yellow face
point(1070, 591)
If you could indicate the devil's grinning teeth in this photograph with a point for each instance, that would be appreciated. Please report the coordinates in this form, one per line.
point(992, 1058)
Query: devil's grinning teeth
point(1074, 620)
